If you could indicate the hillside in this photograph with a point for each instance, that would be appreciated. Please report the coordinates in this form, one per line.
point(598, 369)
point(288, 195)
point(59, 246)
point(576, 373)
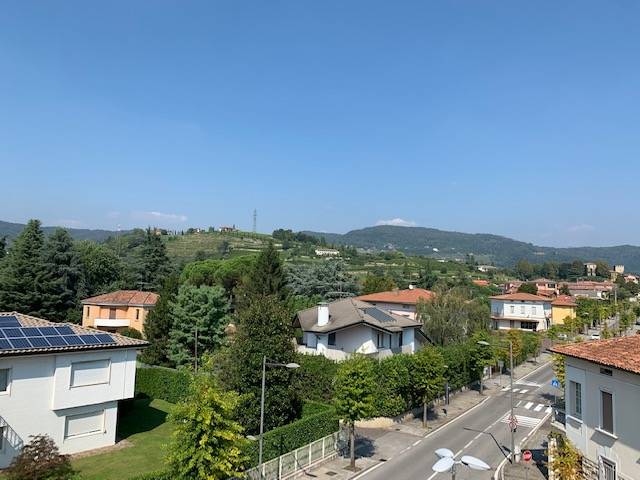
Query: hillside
point(501, 251)
point(12, 230)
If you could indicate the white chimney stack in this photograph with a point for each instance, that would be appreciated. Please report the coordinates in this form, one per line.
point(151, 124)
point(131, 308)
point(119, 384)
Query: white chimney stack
point(411, 286)
point(323, 314)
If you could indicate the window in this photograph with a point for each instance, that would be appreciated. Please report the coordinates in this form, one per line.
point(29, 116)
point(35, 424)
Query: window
point(84, 424)
point(575, 393)
point(406, 307)
point(608, 469)
point(606, 403)
point(512, 308)
point(137, 314)
point(529, 325)
point(522, 309)
point(400, 339)
point(606, 371)
point(380, 340)
point(512, 323)
point(88, 311)
point(533, 310)
point(112, 313)
point(332, 338)
point(90, 373)
point(2, 438)
point(4, 380)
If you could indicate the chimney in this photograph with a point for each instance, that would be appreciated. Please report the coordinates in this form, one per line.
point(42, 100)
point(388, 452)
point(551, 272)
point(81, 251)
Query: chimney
point(411, 286)
point(323, 314)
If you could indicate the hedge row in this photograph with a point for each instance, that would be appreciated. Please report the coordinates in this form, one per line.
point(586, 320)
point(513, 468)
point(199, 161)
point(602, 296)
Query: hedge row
point(286, 438)
point(158, 475)
point(163, 383)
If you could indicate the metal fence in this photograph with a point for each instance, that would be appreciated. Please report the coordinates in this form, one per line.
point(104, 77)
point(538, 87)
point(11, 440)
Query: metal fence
point(290, 464)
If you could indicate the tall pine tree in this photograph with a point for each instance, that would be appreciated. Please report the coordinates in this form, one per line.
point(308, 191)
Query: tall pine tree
point(157, 325)
point(267, 276)
point(152, 265)
point(264, 329)
point(197, 310)
point(58, 284)
point(21, 270)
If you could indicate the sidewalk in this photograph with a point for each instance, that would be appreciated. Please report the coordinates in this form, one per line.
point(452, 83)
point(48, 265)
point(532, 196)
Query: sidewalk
point(375, 445)
point(537, 468)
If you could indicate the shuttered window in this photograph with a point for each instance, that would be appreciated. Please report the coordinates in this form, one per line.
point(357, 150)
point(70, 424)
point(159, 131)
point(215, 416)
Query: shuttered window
point(90, 373)
point(607, 411)
point(84, 424)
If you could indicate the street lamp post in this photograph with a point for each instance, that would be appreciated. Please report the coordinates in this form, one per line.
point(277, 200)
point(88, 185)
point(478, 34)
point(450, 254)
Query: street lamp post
point(513, 433)
point(266, 364)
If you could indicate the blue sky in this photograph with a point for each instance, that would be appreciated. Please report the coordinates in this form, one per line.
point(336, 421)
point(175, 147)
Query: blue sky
point(512, 117)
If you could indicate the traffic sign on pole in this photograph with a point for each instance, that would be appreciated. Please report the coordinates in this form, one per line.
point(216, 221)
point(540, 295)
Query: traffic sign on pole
point(527, 455)
point(555, 383)
point(513, 422)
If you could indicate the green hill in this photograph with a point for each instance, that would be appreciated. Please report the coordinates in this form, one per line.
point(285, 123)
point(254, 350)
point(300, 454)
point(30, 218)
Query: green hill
point(12, 230)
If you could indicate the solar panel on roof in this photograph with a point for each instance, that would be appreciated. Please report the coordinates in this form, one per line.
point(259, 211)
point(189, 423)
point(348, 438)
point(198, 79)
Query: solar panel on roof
point(38, 342)
point(90, 339)
point(31, 332)
point(105, 338)
point(10, 321)
point(12, 332)
point(48, 331)
point(4, 344)
point(64, 330)
point(379, 315)
point(73, 340)
point(56, 341)
point(20, 343)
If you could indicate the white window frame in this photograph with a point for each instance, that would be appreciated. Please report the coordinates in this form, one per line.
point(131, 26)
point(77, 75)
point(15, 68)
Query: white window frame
point(533, 310)
point(512, 308)
point(105, 382)
point(604, 459)
point(100, 431)
point(573, 411)
point(601, 412)
point(9, 381)
point(522, 309)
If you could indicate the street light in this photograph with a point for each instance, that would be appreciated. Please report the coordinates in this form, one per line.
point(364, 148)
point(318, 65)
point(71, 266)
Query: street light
point(448, 462)
point(512, 417)
point(266, 364)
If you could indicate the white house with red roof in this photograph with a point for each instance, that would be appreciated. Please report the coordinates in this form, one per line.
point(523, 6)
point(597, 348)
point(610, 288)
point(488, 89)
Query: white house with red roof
point(62, 380)
point(602, 394)
point(521, 311)
point(399, 302)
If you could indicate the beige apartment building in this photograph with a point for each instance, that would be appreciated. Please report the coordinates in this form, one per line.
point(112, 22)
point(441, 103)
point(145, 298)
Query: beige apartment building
point(118, 310)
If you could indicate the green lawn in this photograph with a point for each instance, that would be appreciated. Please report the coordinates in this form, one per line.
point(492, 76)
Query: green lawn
point(145, 426)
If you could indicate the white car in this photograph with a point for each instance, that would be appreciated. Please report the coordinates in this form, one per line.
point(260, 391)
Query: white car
point(595, 336)
point(563, 336)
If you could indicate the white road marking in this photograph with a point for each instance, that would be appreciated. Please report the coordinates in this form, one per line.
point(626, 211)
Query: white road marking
point(516, 390)
point(529, 422)
point(548, 410)
point(528, 405)
point(527, 383)
point(416, 442)
point(524, 391)
point(538, 407)
point(519, 403)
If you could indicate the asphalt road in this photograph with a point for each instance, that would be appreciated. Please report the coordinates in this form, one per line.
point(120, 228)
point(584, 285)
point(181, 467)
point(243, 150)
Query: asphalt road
point(482, 433)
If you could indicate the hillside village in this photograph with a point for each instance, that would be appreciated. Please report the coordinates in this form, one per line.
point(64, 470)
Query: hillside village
point(221, 302)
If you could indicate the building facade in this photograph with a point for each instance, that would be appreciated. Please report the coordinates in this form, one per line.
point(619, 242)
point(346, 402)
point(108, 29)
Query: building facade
point(520, 311)
point(341, 328)
point(602, 391)
point(115, 311)
point(399, 302)
point(69, 391)
point(563, 307)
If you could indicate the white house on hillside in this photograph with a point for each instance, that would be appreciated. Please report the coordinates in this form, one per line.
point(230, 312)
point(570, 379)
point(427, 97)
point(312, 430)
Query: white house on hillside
point(522, 311)
point(340, 328)
point(61, 380)
point(602, 391)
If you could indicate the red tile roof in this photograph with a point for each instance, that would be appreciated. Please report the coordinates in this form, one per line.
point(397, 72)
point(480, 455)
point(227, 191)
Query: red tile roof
point(564, 301)
point(124, 298)
point(621, 352)
point(481, 283)
point(525, 297)
point(409, 296)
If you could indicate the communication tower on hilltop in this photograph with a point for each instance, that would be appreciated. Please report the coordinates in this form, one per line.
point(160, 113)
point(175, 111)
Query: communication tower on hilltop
point(255, 220)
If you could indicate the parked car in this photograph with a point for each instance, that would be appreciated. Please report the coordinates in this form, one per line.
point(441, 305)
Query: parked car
point(595, 336)
point(563, 336)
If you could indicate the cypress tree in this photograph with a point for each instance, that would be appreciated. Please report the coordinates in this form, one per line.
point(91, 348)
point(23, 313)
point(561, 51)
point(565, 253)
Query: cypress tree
point(266, 278)
point(21, 269)
point(153, 264)
point(58, 284)
point(158, 324)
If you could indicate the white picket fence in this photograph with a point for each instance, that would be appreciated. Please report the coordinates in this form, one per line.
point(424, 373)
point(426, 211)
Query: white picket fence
point(290, 464)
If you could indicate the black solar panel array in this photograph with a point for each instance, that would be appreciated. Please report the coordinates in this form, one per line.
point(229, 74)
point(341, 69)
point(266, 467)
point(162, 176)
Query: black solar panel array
point(13, 336)
point(379, 314)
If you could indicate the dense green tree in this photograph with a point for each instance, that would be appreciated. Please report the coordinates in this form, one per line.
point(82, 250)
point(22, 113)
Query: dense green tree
point(427, 377)
point(200, 312)
point(228, 273)
point(102, 270)
point(224, 248)
point(564, 289)
point(3, 247)
point(264, 329)
point(207, 441)
point(528, 288)
point(328, 279)
point(480, 355)
point(354, 395)
point(157, 325)
point(451, 316)
point(40, 459)
point(267, 276)
point(21, 270)
point(524, 270)
point(428, 279)
point(550, 270)
point(152, 263)
point(58, 284)
point(602, 269)
point(375, 284)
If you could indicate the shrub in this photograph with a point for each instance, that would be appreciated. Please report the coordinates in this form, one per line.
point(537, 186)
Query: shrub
point(40, 460)
point(131, 333)
point(164, 383)
point(311, 408)
point(314, 378)
point(394, 387)
point(296, 434)
point(456, 357)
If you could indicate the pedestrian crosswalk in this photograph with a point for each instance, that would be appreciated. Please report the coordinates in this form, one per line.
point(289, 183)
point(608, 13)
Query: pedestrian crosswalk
point(527, 383)
point(516, 390)
point(523, 421)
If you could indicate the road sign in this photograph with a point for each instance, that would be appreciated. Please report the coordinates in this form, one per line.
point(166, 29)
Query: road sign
point(527, 455)
point(513, 422)
point(555, 383)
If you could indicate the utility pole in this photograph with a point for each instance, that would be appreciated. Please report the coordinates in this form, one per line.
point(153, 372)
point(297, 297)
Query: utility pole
point(255, 220)
point(513, 433)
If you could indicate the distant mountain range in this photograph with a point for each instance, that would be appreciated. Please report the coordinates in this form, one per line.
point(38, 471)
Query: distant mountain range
point(501, 251)
point(12, 230)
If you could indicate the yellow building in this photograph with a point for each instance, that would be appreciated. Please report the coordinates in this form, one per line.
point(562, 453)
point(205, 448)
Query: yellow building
point(115, 311)
point(562, 307)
